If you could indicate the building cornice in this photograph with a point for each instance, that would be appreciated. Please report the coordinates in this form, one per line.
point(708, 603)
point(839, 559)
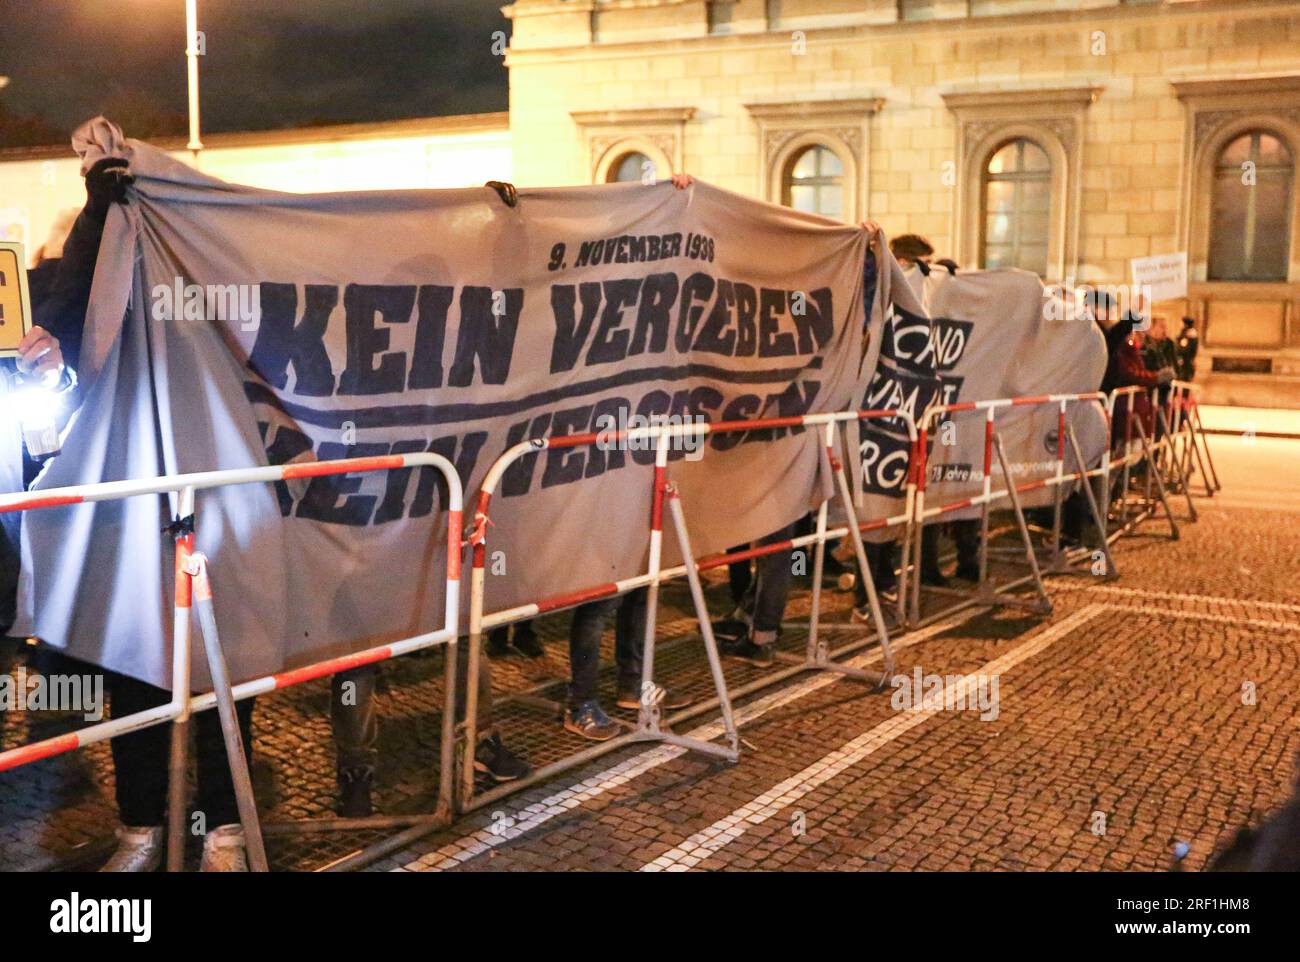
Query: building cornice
point(1243, 87)
point(639, 116)
point(1038, 98)
point(813, 109)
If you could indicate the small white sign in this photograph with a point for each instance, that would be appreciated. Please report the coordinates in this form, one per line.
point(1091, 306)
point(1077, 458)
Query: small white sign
point(1161, 277)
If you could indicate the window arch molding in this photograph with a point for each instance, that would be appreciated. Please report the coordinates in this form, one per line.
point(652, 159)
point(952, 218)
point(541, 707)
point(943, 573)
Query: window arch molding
point(1054, 119)
point(784, 158)
point(841, 126)
point(1207, 150)
point(976, 170)
point(607, 162)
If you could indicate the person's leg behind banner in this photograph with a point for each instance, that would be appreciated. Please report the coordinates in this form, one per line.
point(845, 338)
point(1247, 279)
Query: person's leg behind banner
point(583, 715)
point(223, 843)
point(629, 647)
point(494, 764)
point(772, 588)
point(354, 722)
point(140, 775)
point(966, 535)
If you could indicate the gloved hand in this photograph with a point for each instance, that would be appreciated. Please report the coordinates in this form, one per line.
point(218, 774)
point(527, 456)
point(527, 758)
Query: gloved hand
point(106, 184)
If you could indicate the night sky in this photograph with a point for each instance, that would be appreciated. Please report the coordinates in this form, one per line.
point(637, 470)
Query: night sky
point(269, 63)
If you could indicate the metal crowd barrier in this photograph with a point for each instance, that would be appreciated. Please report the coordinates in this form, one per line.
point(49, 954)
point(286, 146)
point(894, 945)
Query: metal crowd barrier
point(192, 585)
point(650, 725)
point(1181, 428)
point(984, 592)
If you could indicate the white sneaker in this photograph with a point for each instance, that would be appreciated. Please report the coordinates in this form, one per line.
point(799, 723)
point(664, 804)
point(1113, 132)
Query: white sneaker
point(223, 850)
point(138, 850)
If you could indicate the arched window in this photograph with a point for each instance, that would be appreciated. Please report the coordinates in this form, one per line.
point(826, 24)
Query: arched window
point(814, 182)
point(1250, 216)
point(632, 166)
point(1017, 207)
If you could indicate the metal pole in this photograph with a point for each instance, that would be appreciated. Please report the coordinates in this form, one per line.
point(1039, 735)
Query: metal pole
point(648, 717)
point(1163, 422)
point(1160, 485)
point(235, 756)
point(815, 652)
point(702, 612)
point(1046, 606)
point(192, 69)
point(873, 600)
point(1097, 516)
point(177, 763)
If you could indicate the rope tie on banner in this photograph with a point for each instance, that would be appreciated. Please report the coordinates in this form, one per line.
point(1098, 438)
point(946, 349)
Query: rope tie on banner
point(476, 532)
point(180, 527)
point(509, 196)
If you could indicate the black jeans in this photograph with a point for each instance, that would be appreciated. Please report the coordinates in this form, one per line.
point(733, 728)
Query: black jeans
point(764, 602)
point(140, 758)
point(584, 643)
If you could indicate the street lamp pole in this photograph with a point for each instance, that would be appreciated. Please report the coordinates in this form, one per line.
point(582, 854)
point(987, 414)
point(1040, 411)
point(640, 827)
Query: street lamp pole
point(192, 56)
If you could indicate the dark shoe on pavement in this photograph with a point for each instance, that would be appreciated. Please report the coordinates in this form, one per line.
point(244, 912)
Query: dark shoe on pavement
point(527, 643)
point(968, 572)
point(496, 763)
point(498, 644)
point(589, 720)
point(629, 697)
point(355, 785)
point(744, 649)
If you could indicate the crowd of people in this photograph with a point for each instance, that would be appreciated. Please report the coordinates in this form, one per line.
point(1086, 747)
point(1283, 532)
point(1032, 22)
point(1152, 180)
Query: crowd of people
point(60, 289)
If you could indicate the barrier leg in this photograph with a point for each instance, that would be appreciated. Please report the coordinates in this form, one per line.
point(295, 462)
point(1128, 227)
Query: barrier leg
point(873, 600)
point(178, 755)
point(815, 651)
point(710, 643)
point(1045, 603)
point(446, 802)
point(239, 776)
point(1181, 478)
point(1205, 442)
point(1160, 485)
point(648, 716)
point(1098, 517)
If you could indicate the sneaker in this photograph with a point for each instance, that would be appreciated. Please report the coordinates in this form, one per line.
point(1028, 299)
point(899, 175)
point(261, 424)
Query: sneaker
point(496, 763)
point(138, 849)
point(744, 649)
point(224, 850)
point(354, 792)
point(527, 643)
point(629, 697)
point(590, 721)
point(498, 643)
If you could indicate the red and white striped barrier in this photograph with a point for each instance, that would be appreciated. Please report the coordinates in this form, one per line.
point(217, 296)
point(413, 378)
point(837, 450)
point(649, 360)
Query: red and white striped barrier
point(663, 493)
point(182, 704)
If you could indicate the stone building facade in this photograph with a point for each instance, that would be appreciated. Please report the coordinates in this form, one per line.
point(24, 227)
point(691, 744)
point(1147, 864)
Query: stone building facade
point(1064, 136)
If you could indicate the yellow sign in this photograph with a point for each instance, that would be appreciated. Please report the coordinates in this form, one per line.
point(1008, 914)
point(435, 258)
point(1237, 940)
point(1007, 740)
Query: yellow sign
point(15, 304)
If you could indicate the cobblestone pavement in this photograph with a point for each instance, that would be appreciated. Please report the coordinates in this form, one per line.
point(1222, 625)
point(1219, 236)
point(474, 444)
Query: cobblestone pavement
point(1120, 729)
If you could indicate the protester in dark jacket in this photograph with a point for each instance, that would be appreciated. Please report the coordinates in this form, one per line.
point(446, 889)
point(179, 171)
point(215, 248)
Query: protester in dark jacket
point(1187, 345)
point(1125, 368)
